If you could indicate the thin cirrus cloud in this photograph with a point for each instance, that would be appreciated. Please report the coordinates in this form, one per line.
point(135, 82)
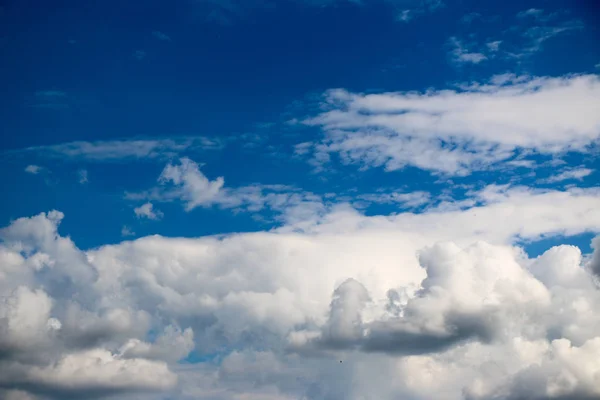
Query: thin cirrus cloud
point(457, 131)
point(529, 31)
point(577, 174)
point(127, 149)
point(228, 12)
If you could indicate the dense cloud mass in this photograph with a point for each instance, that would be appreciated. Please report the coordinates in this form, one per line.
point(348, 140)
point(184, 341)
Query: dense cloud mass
point(413, 310)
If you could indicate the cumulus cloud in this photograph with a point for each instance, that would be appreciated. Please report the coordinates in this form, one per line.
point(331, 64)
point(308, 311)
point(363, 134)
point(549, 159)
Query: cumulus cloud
point(147, 210)
point(458, 131)
point(185, 182)
point(413, 304)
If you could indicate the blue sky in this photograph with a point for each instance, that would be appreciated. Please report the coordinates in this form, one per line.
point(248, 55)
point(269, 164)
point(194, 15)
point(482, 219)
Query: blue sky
point(461, 121)
point(71, 74)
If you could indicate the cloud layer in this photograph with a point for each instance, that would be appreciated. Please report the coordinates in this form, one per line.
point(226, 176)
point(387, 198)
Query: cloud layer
point(414, 305)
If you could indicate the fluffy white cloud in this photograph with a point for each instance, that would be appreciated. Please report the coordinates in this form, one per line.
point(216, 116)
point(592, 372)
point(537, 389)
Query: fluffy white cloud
point(456, 131)
point(414, 305)
point(147, 210)
point(185, 182)
point(98, 372)
point(194, 188)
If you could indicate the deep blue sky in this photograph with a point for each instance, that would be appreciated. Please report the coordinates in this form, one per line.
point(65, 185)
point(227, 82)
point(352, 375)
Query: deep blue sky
point(106, 70)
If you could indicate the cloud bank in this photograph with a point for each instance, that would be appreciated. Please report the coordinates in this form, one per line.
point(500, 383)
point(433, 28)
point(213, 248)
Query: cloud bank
point(414, 305)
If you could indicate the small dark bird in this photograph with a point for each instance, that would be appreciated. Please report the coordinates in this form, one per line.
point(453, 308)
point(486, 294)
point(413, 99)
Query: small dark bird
point(340, 361)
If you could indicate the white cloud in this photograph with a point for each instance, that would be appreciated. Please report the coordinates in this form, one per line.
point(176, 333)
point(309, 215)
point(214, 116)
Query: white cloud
point(455, 132)
point(461, 55)
point(147, 210)
point(569, 174)
point(172, 346)
point(532, 12)
point(390, 296)
point(100, 371)
point(193, 187)
point(117, 150)
point(126, 231)
point(185, 182)
point(34, 169)
point(82, 174)
point(494, 46)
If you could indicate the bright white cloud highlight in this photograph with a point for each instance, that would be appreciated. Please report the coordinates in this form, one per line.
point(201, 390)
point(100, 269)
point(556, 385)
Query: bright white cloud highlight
point(457, 131)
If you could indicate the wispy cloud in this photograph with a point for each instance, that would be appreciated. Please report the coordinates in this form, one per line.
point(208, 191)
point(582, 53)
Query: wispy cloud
point(115, 150)
point(460, 54)
point(406, 199)
point(82, 174)
point(455, 132)
point(526, 37)
point(33, 169)
point(161, 36)
point(184, 182)
point(470, 17)
point(139, 55)
point(228, 12)
point(569, 174)
point(532, 12)
point(126, 231)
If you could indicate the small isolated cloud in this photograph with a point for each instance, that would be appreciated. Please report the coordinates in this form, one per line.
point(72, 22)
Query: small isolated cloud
point(494, 46)
point(126, 231)
point(148, 211)
point(532, 12)
point(33, 169)
point(460, 54)
point(139, 55)
point(468, 18)
point(418, 8)
point(192, 186)
point(569, 174)
point(82, 175)
point(404, 16)
point(161, 36)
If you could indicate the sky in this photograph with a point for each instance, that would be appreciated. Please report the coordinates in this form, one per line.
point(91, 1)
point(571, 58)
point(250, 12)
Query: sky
point(300, 199)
